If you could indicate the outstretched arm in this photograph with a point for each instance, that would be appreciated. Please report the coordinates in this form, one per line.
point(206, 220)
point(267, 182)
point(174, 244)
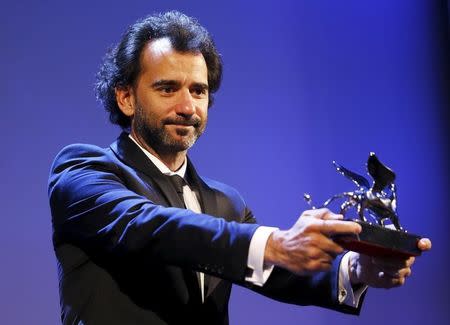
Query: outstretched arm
point(94, 209)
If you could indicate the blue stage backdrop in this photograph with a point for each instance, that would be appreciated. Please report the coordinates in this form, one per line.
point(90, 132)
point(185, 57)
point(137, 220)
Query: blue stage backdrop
point(305, 83)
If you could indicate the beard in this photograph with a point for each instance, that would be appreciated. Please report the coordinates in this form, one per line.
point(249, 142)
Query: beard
point(163, 135)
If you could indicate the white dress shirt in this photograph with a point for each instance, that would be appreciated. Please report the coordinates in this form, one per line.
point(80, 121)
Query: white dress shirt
point(255, 259)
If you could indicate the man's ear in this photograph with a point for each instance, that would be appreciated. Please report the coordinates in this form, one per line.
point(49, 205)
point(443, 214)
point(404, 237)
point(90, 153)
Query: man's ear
point(125, 100)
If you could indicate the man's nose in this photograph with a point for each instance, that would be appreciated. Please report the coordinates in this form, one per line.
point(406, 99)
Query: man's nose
point(186, 105)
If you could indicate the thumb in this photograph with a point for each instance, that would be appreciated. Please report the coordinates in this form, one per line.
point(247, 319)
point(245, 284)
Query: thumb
point(424, 244)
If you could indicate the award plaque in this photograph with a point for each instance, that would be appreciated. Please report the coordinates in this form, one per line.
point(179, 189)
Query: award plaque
point(375, 209)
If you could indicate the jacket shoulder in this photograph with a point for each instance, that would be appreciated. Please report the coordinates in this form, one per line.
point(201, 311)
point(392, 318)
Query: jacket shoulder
point(77, 153)
point(81, 150)
point(79, 157)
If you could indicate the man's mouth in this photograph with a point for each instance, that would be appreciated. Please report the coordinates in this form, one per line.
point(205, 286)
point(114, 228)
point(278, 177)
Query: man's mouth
point(183, 123)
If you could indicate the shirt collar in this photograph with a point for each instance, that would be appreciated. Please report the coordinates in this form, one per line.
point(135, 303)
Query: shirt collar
point(159, 164)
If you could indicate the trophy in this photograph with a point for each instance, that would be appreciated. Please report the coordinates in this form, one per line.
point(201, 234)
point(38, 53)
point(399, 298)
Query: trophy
point(376, 212)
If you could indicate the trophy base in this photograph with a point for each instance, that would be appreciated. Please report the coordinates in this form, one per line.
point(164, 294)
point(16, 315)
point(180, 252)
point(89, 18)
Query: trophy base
point(375, 240)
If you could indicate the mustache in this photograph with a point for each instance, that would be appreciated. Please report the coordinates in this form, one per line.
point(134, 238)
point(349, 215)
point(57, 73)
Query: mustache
point(191, 121)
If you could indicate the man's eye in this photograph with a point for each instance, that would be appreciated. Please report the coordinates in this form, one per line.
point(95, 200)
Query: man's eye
point(167, 90)
point(200, 91)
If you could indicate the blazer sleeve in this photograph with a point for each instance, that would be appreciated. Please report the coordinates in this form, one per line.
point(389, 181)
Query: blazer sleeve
point(93, 209)
point(320, 289)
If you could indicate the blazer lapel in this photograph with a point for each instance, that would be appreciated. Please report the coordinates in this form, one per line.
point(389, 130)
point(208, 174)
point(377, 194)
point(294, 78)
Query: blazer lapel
point(209, 206)
point(208, 200)
point(133, 156)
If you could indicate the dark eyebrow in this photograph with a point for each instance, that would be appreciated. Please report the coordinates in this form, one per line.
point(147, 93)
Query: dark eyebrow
point(175, 83)
point(163, 82)
point(200, 85)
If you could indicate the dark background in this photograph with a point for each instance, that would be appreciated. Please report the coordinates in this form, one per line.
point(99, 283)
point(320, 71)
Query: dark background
point(305, 83)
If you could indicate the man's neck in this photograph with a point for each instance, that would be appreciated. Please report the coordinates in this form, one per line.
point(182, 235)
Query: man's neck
point(173, 160)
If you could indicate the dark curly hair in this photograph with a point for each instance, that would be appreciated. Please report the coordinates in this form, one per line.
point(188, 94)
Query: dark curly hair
point(121, 65)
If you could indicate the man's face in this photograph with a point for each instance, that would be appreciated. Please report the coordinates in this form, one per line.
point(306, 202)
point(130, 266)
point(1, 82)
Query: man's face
point(170, 98)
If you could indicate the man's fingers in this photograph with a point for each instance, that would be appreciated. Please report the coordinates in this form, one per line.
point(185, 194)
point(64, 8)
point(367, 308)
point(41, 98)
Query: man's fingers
point(323, 214)
point(424, 244)
point(332, 216)
point(321, 264)
point(386, 281)
point(397, 274)
point(394, 263)
point(330, 247)
point(338, 227)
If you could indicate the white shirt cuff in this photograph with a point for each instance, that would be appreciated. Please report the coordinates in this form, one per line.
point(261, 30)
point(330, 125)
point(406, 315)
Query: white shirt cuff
point(255, 260)
point(348, 296)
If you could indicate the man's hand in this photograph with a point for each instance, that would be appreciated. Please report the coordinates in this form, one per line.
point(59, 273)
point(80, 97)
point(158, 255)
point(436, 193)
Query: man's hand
point(307, 247)
point(382, 272)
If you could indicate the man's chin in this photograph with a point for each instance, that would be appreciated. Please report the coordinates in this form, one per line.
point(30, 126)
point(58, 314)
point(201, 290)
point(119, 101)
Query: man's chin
point(172, 139)
point(180, 143)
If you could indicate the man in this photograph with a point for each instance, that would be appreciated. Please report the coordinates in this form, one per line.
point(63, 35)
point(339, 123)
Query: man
point(141, 238)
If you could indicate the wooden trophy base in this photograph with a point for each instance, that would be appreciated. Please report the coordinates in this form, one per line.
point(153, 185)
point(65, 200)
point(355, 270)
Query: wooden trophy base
point(375, 240)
